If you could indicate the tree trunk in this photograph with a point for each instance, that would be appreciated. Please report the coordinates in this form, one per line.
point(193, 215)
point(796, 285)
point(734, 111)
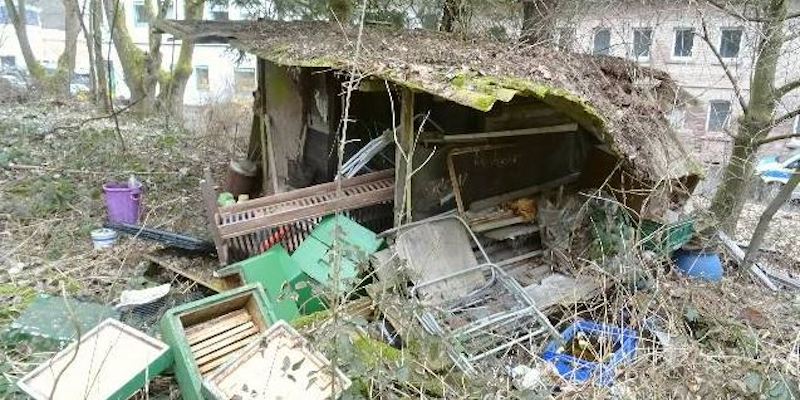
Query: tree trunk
point(763, 222)
point(66, 62)
point(755, 123)
point(538, 21)
point(173, 85)
point(136, 64)
point(449, 15)
point(102, 92)
point(17, 16)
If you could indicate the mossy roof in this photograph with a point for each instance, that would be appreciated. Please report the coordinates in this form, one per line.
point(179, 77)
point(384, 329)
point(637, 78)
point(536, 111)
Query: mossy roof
point(621, 102)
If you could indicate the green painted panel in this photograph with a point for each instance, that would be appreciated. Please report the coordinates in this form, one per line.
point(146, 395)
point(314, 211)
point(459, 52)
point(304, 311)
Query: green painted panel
point(51, 321)
point(316, 255)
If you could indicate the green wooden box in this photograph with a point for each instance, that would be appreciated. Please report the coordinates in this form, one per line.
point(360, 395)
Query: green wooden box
point(316, 255)
point(287, 287)
point(207, 333)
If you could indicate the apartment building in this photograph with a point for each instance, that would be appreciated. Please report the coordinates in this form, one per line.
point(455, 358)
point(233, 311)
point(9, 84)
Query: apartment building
point(669, 37)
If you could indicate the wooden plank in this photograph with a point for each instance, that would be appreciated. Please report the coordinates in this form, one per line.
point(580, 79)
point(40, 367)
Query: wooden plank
point(496, 224)
point(512, 231)
point(404, 165)
point(224, 318)
point(531, 190)
point(542, 130)
point(519, 258)
point(209, 367)
point(225, 342)
point(231, 332)
point(558, 289)
point(738, 254)
point(230, 348)
point(211, 283)
point(217, 326)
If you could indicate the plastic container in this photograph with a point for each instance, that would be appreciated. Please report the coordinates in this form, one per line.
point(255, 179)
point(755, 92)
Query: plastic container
point(699, 264)
point(104, 238)
point(667, 238)
point(123, 200)
point(580, 370)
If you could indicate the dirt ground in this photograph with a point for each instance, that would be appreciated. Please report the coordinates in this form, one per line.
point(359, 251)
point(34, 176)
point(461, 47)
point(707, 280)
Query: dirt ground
point(735, 339)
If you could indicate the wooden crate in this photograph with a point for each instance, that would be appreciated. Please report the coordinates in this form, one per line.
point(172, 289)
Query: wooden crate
point(207, 333)
point(110, 361)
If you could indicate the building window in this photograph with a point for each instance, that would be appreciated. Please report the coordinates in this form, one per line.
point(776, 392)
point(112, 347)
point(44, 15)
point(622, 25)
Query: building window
point(684, 41)
point(719, 114)
point(729, 43)
point(219, 12)
point(642, 39)
point(566, 36)
point(602, 42)
point(201, 77)
point(8, 61)
point(244, 80)
point(139, 13)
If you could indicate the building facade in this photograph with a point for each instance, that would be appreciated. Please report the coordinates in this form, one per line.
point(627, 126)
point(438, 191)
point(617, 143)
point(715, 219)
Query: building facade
point(672, 38)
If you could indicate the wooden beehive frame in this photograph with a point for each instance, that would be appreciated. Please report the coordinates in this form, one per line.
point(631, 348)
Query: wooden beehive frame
point(215, 340)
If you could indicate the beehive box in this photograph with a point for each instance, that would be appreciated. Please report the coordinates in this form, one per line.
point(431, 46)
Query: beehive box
point(281, 364)
point(207, 333)
point(110, 361)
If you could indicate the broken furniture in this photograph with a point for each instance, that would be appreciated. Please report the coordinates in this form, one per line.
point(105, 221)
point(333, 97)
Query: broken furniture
point(250, 227)
point(287, 287)
point(280, 364)
point(110, 361)
point(207, 333)
point(479, 310)
point(591, 351)
point(333, 252)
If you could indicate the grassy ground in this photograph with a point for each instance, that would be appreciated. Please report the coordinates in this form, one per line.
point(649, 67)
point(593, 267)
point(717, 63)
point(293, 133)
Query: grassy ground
point(731, 340)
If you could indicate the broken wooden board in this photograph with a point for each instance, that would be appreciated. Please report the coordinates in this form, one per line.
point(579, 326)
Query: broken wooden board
point(111, 361)
point(561, 290)
point(435, 250)
point(281, 363)
point(202, 276)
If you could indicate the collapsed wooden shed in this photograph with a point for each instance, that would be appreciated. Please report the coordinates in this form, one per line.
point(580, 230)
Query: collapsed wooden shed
point(484, 122)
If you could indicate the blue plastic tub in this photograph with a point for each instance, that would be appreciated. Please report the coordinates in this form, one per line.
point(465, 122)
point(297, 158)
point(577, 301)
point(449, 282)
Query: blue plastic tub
point(698, 264)
point(580, 370)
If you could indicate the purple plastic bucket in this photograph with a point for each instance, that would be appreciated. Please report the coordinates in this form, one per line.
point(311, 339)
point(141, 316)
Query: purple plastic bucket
point(122, 202)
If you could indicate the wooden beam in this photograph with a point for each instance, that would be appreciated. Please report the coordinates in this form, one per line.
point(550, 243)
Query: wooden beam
point(403, 164)
point(464, 137)
point(531, 190)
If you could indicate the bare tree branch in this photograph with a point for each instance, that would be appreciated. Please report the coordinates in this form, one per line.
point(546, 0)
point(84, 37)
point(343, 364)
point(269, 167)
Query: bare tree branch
point(731, 78)
point(778, 138)
point(763, 222)
point(744, 18)
point(786, 117)
point(783, 90)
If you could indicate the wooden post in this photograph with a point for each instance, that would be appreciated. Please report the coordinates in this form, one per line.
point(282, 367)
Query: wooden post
point(403, 162)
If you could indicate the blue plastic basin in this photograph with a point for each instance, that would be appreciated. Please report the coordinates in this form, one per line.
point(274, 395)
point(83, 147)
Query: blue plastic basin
point(698, 264)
